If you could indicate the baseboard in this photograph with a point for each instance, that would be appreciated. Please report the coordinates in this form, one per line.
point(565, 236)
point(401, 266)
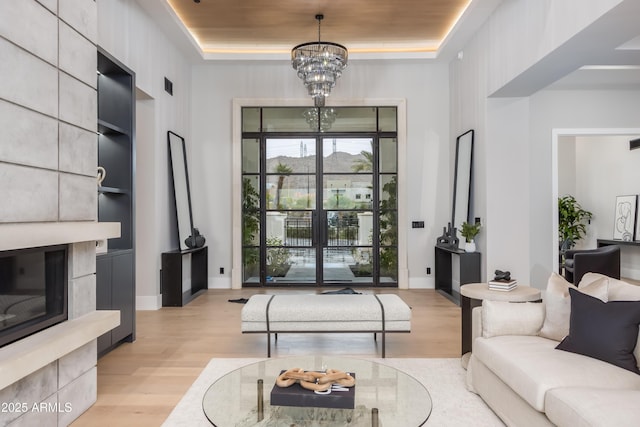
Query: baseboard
point(153, 302)
point(219, 283)
point(422, 283)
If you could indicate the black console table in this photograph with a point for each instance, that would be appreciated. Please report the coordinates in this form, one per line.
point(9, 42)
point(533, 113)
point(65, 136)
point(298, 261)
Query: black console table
point(172, 276)
point(469, 270)
point(606, 242)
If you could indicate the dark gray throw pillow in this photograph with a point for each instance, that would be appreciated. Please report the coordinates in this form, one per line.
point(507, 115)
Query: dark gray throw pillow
point(604, 331)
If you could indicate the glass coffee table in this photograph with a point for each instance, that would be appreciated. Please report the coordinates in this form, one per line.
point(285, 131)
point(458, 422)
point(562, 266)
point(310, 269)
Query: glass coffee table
point(384, 396)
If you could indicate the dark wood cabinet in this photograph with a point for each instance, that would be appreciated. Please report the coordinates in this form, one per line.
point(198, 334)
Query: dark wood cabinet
point(468, 270)
point(115, 269)
point(115, 276)
point(184, 276)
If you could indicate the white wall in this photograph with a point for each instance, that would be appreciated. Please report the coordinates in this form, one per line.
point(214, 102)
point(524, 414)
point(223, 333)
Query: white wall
point(424, 86)
point(552, 110)
point(524, 46)
point(130, 35)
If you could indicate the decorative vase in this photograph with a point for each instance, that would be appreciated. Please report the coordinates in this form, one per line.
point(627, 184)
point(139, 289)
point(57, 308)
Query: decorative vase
point(470, 246)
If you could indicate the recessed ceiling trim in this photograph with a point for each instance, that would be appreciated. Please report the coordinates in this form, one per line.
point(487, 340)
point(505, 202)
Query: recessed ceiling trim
point(372, 33)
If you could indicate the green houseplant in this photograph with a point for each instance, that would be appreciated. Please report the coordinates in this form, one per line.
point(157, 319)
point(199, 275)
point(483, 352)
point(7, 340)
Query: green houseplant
point(572, 222)
point(469, 231)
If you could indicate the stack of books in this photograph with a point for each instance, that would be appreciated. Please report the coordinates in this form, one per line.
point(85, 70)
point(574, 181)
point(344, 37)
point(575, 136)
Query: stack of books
point(502, 285)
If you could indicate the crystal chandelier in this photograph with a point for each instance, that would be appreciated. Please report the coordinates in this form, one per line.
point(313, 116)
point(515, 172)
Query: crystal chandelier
point(319, 64)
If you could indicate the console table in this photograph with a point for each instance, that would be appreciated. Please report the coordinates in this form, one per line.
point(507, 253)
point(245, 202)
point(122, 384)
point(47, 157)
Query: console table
point(607, 242)
point(468, 270)
point(184, 276)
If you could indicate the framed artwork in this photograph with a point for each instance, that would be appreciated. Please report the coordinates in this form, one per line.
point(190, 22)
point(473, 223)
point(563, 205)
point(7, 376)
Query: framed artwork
point(625, 218)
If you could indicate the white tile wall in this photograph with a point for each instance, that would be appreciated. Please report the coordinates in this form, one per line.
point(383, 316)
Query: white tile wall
point(80, 394)
point(30, 138)
point(78, 56)
point(74, 364)
point(34, 388)
point(78, 103)
point(82, 296)
point(81, 15)
point(52, 5)
point(82, 259)
point(32, 194)
point(78, 150)
point(48, 112)
point(36, 37)
point(78, 201)
point(27, 80)
point(39, 418)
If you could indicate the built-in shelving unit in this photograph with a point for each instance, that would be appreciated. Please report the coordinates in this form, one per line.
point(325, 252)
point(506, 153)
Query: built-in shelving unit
point(115, 269)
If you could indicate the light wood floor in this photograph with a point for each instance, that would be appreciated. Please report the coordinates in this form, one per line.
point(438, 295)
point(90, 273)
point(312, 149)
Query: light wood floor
point(140, 383)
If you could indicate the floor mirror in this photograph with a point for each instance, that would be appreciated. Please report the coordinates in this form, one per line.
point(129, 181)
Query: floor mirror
point(180, 177)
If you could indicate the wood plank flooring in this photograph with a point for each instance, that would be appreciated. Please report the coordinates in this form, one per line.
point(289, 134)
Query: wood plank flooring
point(140, 383)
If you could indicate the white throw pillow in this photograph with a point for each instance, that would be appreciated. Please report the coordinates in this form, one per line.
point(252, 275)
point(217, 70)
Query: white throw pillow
point(511, 318)
point(558, 303)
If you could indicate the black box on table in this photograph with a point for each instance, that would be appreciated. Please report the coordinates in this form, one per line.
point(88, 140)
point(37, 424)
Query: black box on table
point(296, 395)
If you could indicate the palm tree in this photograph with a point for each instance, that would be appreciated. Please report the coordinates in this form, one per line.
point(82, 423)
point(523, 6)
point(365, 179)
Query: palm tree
point(364, 164)
point(284, 171)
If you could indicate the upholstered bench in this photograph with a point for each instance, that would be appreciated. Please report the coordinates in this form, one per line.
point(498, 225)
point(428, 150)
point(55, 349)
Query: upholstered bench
point(273, 314)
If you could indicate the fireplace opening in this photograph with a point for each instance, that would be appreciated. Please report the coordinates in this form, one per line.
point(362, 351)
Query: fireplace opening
point(33, 291)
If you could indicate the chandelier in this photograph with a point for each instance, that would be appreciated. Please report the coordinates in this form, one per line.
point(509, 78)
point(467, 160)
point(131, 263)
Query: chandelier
point(319, 64)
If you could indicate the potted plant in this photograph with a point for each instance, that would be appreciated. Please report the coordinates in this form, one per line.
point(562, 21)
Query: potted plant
point(572, 222)
point(469, 231)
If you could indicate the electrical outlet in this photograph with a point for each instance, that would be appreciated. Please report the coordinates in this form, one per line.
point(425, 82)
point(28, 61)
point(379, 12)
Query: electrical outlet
point(428, 271)
point(221, 270)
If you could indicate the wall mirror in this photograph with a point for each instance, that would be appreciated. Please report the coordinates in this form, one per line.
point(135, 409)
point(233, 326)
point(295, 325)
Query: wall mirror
point(462, 180)
point(180, 175)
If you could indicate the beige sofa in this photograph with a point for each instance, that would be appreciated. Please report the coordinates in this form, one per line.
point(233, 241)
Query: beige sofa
point(519, 373)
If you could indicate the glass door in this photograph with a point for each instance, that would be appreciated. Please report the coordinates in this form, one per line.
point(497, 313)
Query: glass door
point(290, 217)
point(347, 210)
point(319, 208)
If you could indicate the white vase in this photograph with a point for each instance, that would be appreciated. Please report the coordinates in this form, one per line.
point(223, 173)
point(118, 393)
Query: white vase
point(470, 246)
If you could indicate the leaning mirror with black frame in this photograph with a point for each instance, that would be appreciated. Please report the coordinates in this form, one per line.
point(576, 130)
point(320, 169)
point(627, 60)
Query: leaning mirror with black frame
point(180, 178)
point(462, 183)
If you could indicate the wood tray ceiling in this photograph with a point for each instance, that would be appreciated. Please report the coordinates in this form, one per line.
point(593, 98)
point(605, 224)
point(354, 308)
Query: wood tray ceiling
point(256, 26)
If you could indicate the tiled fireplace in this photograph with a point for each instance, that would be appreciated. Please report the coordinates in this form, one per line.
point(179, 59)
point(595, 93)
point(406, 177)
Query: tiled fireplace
point(48, 161)
point(49, 377)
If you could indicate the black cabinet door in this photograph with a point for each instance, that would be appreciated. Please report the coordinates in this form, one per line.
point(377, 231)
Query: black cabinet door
point(103, 296)
point(123, 294)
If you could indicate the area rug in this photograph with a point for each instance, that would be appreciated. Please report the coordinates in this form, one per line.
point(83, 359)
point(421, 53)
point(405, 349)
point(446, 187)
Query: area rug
point(453, 404)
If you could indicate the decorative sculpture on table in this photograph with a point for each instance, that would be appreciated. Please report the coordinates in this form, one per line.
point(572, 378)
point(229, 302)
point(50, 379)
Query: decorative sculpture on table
point(449, 237)
point(502, 275)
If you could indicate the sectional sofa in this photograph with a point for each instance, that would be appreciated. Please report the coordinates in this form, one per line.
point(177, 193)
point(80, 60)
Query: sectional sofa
point(571, 360)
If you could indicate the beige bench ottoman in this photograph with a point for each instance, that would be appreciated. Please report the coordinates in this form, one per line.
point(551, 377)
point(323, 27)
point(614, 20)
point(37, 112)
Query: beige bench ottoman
point(273, 314)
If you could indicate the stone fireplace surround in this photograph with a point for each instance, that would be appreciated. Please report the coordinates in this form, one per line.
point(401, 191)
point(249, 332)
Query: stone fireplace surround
point(49, 378)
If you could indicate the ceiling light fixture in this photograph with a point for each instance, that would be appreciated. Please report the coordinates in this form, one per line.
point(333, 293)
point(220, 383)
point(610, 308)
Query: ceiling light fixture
point(319, 64)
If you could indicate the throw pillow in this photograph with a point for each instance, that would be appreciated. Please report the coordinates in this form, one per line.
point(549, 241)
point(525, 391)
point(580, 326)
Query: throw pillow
point(620, 290)
point(511, 318)
point(604, 331)
point(558, 304)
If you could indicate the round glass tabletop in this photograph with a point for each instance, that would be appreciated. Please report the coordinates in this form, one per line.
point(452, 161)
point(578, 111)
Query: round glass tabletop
point(383, 396)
